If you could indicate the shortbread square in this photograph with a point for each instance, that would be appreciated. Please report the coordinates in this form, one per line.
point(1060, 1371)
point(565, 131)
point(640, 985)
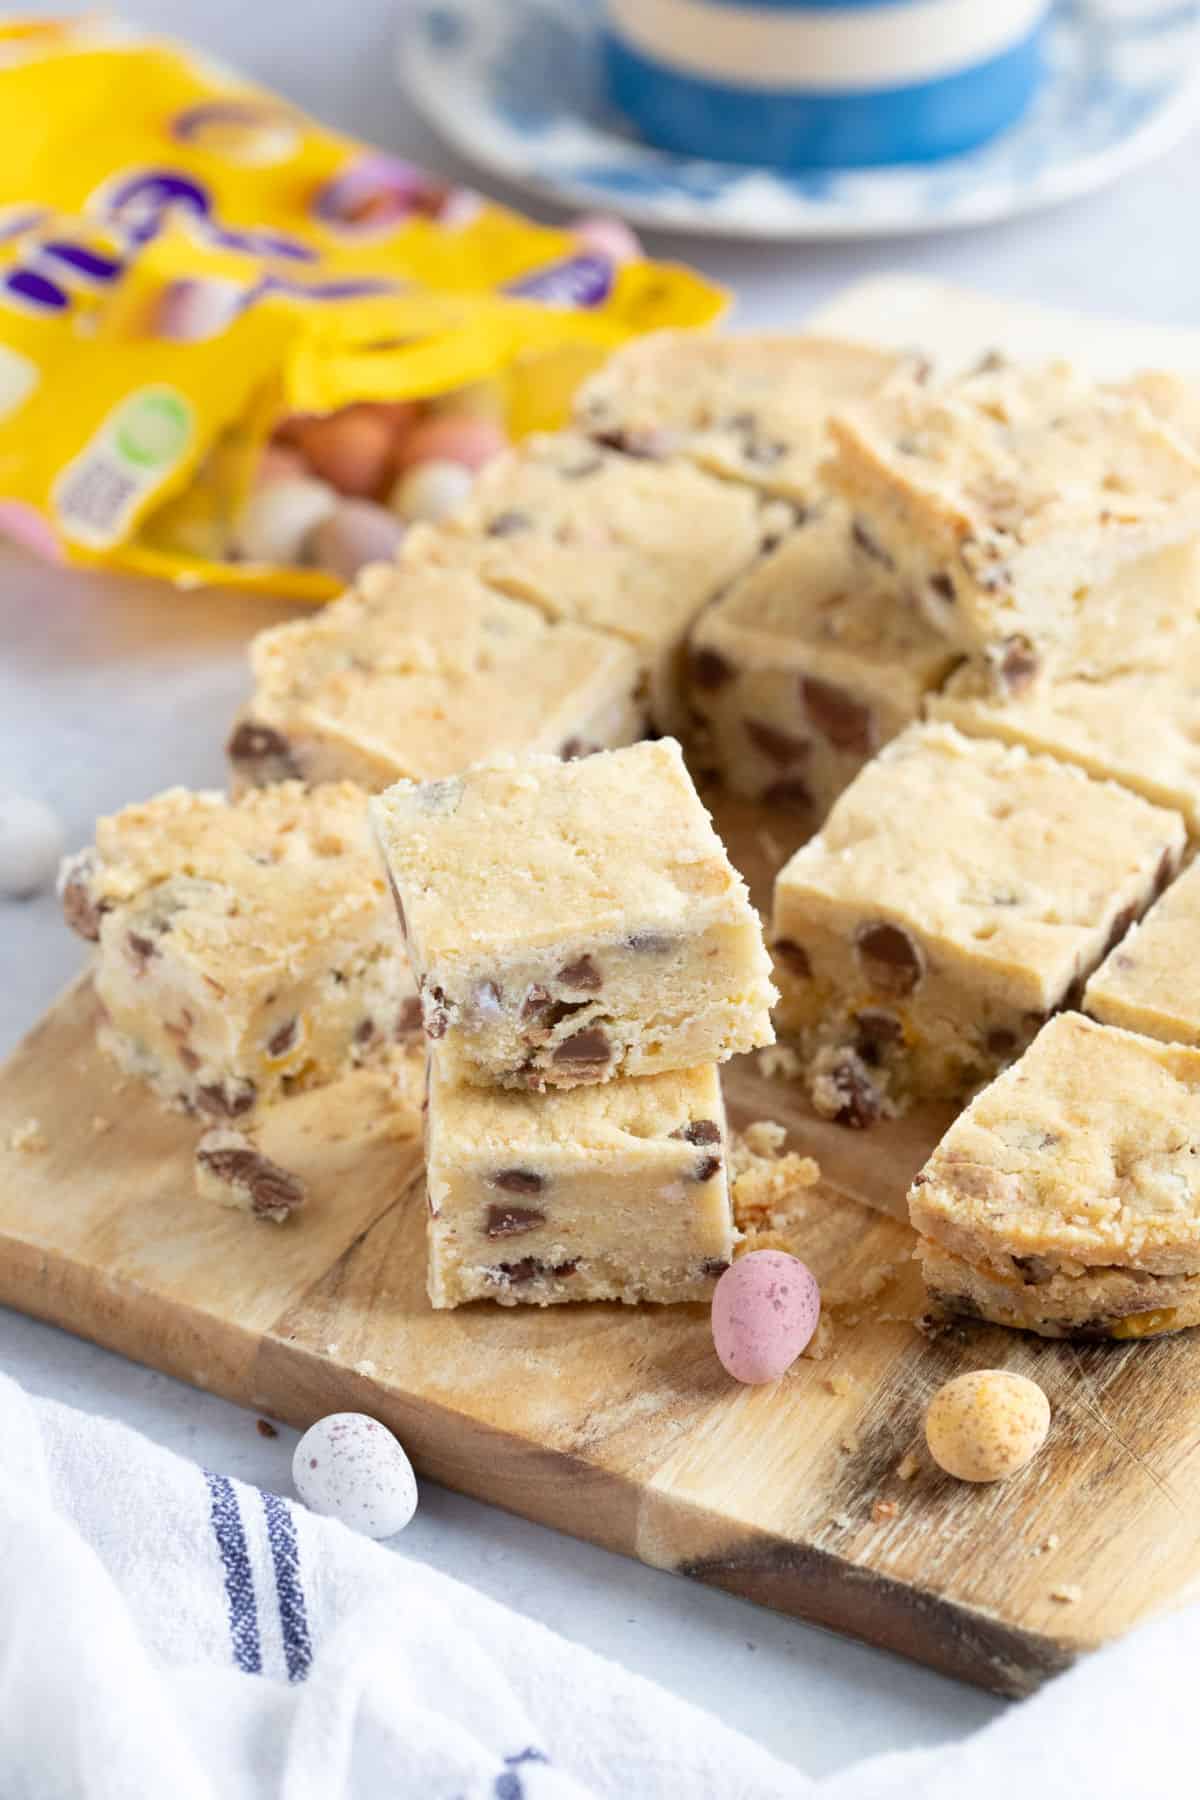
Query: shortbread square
point(629, 546)
point(1006, 500)
point(244, 950)
point(617, 1192)
point(1066, 1198)
point(806, 667)
point(572, 922)
point(960, 892)
point(749, 406)
point(417, 672)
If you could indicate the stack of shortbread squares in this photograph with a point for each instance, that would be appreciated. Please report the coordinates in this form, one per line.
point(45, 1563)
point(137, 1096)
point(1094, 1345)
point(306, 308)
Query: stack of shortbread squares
point(586, 956)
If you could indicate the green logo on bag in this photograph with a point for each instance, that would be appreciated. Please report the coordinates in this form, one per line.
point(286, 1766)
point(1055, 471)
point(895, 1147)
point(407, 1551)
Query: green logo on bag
point(152, 428)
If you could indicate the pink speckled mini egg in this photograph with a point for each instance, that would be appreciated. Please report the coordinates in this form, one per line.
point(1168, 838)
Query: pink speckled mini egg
point(764, 1311)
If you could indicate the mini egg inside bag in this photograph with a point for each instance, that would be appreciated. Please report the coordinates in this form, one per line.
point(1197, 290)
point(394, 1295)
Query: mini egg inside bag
point(191, 269)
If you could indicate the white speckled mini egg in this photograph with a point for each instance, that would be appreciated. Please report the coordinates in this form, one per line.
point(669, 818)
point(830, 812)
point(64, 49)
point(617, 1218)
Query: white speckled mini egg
point(350, 1467)
point(431, 490)
point(31, 845)
point(275, 523)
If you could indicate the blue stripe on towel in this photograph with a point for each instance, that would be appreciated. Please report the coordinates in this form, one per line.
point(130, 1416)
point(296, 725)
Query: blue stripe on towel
point(289, 1589)
point(239, 1582)
point(509, 1786)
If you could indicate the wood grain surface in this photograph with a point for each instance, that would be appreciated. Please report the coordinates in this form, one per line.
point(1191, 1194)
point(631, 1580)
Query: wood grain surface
point(613, 1423)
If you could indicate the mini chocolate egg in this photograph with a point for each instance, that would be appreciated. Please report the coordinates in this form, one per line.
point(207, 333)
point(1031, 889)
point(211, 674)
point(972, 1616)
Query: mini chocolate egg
point(430, 491)
point(462, 439)
point(401, 415)
point(349, 1467)
point(608, 237)
point(352, 449)
point(764, 1311)
point(987, 1424)
point(190, 311)
point(359, 532)
point(289, 429)
point(276, 521)
point(31, 845)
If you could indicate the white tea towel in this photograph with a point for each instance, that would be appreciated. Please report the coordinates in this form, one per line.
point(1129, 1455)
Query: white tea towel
point(169, 1632)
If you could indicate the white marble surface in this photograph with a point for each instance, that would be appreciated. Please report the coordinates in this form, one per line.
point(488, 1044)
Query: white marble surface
point(110, 690)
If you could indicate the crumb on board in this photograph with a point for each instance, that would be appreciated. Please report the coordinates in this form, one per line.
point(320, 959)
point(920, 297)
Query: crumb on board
point(100, 1124)
point(28, 1137)
point(884, 1510)
point(332, 1349)
point(765, 1178)
point(840, 1385)
point(1067, 1594)
point(779, 1062)
point(843, 1521)
point(761, 1145)
point(366, 1367)
point(265, 1428)
point(849, 1442)
point(1047, 1545)
point(820, 1344)
point(865, 1286)
point(908, 1465)
point(765, 1137)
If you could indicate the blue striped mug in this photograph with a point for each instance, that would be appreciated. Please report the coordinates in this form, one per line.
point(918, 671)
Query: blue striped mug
point(821, 84)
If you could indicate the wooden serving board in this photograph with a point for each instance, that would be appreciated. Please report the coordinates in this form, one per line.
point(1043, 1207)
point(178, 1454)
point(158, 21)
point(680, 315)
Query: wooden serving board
point(618, 1424)
point(613, 1423)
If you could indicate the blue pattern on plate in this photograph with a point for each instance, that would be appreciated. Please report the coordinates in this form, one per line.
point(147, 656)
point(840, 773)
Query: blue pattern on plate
point(518, 85)
point(545, 71)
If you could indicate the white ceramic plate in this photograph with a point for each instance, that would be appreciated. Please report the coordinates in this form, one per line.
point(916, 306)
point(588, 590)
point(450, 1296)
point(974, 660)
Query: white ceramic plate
point(515, 85)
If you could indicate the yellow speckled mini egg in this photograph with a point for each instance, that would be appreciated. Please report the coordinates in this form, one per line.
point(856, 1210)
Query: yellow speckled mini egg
point(987, 1424)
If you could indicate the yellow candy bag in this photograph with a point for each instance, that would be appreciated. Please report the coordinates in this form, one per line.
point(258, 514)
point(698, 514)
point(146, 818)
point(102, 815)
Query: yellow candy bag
point(185, 259)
